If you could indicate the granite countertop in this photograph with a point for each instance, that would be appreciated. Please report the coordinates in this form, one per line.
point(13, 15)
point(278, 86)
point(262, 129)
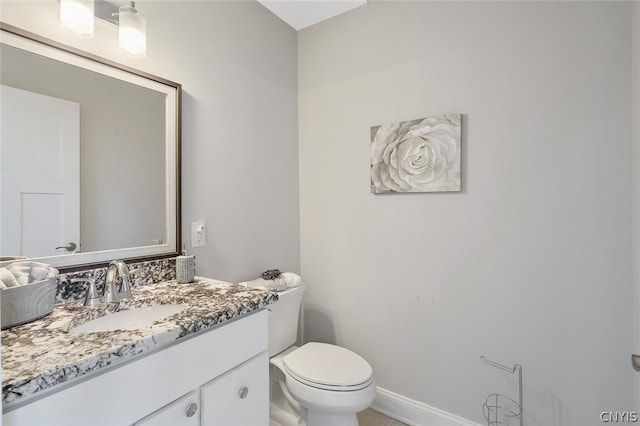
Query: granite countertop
point(40, 355)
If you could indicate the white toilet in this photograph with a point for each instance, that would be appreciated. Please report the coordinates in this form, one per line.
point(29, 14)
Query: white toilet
point(316, 384)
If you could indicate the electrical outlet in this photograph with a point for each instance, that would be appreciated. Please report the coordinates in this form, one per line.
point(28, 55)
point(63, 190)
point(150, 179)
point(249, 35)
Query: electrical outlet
point(198, 234)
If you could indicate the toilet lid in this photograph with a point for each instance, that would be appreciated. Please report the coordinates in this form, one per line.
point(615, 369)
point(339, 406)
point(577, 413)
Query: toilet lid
point(328, 367)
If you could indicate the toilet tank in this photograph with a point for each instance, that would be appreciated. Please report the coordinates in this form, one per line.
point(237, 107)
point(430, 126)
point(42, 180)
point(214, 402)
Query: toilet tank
point(283, 319)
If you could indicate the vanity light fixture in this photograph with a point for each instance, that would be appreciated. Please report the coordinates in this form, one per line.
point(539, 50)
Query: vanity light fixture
point(76, 16)
point(132, 35)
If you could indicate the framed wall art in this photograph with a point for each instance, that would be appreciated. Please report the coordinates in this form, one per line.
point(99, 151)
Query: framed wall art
point(420, 155)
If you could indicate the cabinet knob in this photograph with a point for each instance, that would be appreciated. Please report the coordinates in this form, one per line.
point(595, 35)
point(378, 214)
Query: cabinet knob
point(191, 409)
point(244, 391)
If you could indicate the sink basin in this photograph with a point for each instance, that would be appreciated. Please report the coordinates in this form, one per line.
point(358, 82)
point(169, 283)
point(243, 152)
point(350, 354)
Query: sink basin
point(131, 319)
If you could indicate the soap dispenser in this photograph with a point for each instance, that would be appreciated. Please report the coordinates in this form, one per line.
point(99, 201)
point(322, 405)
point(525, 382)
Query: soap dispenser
point(185, 267)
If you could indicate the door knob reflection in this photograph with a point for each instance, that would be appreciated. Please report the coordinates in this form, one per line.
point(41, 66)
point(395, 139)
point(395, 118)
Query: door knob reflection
point(68, 247)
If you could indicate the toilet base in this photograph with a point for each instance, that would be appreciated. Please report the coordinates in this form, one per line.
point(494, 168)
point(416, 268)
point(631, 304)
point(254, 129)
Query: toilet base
point(320, 418)
point(279, 416)
point(283, 409)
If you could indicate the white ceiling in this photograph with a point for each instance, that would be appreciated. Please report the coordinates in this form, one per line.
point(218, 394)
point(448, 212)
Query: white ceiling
point(303, 13)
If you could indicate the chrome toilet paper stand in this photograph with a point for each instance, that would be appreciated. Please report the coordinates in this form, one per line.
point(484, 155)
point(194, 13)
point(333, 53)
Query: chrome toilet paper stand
point(499, 408)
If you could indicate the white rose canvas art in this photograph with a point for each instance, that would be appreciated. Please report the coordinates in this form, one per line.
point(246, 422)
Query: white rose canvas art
point(416, 156)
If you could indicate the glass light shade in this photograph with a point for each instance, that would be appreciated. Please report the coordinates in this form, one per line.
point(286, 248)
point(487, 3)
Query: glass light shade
point(76, 16)
point(132, 35)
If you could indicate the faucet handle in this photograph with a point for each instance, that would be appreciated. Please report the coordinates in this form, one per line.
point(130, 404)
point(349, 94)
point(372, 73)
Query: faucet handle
point(125, 288)
point(91, 297)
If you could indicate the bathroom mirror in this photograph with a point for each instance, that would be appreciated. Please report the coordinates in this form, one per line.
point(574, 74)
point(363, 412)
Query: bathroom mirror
point(89, 156)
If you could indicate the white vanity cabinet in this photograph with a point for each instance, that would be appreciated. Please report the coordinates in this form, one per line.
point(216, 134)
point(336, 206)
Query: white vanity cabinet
point(210, 369)
point(184, 411)
point(237, 397)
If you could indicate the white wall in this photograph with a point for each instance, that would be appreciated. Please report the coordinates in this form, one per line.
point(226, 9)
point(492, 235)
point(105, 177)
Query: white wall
point(237, 64)
point(530, 263)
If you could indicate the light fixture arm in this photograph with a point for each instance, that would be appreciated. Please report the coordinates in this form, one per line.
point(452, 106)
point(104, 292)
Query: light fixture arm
point(77, 16)
point(107, 12)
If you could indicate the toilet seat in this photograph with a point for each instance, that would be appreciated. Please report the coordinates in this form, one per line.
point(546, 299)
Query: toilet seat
point(328, 367)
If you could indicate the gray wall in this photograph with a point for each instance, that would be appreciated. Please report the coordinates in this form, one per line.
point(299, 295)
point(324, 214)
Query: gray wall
point(530, 263)
point(237, 64)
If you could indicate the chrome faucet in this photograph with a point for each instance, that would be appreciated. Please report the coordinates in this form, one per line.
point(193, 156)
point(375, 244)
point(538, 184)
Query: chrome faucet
point(111, 293)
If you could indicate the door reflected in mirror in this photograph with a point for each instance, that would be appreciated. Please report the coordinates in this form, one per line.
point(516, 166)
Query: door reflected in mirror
point(87, 158)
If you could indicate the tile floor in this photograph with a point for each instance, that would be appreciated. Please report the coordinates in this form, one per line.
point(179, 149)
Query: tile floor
point(369, 417)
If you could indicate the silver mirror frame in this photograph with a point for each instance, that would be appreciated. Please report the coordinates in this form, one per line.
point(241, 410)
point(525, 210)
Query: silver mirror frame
point(37, 44)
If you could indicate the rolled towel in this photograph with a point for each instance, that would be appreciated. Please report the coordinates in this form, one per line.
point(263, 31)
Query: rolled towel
point(7, 278)
point(30, 271)
point(284, 281)
point(292, 280)
point(277, 284)
point(27, 264)
point(16, 268)
point(38, 273)
point(22, 278)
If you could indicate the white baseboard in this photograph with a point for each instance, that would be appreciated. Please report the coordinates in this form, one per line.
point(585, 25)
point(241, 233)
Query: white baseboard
point(415, 413)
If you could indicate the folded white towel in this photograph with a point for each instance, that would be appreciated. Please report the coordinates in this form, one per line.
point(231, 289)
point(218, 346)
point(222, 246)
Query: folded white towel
point(7, 278)
point(284, 281)
point(20, 273)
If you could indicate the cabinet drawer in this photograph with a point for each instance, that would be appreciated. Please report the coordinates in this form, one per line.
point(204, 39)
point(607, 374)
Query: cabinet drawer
point(239, 397)
point(185, 411)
